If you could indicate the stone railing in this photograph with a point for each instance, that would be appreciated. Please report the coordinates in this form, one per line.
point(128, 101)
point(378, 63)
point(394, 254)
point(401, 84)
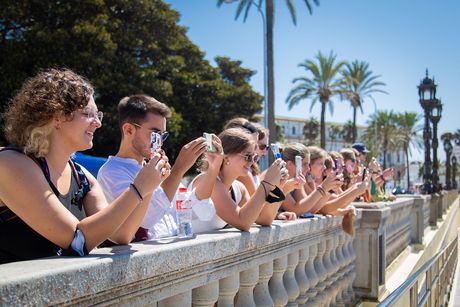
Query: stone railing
point(387, 229)
point(305, 262)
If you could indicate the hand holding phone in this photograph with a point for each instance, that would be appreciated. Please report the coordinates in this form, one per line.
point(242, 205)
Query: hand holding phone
point(364, 173)
point(155, 142)
point(275, 150)
point(298, 165)
point(209, 145)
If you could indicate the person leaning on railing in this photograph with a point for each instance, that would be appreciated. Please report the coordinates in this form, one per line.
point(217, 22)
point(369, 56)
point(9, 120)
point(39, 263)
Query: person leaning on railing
point(50, 205)
point(234, 206)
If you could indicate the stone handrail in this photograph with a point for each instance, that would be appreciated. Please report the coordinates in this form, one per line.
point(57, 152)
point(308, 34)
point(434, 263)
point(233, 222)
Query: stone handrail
point(307, 262)
point(388, 228)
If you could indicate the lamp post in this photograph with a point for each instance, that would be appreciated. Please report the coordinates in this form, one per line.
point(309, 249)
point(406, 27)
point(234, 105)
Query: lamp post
point(427, 94)
point(435, 116)
point(454, 172)
point(448, 149)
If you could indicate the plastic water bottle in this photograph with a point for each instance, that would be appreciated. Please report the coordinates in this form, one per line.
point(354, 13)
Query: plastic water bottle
point(184, 214)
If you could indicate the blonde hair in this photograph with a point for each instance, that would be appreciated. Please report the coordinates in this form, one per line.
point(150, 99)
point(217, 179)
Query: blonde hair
point(29, 117)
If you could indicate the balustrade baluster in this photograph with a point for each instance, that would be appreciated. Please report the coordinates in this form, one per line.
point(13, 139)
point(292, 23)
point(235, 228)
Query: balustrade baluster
point(228, 287)
point(301, 276)
point(312, 276)
point(261, 292)
point(276, 285)
point(290, 283)
point(248, 280)
point(322, 275)
point(206, 295)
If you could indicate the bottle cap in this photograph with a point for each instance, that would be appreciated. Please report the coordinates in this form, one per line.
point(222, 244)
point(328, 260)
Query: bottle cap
point(182, 190)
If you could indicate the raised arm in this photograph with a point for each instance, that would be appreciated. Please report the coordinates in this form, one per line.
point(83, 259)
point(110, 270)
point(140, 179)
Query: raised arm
point(184, 161)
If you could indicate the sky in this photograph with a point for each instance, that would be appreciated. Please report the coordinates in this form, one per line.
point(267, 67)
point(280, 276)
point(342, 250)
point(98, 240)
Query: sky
point(399, 40)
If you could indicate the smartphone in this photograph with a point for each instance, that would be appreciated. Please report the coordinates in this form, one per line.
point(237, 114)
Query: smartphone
point(155, 142)
point(338, 167)
point(364, 173)
point(209, 145)
point(275, 150)
point(298, 165)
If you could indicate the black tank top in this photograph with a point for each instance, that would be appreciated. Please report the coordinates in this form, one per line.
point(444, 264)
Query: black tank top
point(20, 242)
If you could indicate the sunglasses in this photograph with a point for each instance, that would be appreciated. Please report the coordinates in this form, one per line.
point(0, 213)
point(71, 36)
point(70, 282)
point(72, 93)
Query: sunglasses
point(263, 146)
point(250, 157)
point(164, 135)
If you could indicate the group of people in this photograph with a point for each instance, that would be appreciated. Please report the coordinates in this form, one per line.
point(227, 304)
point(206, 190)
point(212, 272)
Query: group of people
point(50, 205)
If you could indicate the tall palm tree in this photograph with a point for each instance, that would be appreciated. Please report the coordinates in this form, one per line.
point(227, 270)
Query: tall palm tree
point(360, 84)
point(325, 83)
point(310, 131)
point(387, 132)
point(347, 132)
point(268, 16)
point(408, 127)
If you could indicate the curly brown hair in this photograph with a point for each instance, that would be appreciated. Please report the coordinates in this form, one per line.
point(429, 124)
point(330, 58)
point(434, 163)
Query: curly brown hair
point(28, 119)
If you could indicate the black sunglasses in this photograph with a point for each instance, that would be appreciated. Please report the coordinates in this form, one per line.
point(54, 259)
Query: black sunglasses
point(164, 135)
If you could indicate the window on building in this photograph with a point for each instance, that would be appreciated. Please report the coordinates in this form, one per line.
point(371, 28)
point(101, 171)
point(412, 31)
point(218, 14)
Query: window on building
point(293, 130)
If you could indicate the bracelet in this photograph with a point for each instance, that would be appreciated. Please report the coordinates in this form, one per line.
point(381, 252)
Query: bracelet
point(139, 195)
point(278, 194)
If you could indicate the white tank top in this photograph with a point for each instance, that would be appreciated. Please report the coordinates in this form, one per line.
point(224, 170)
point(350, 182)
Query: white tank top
point(216, 222)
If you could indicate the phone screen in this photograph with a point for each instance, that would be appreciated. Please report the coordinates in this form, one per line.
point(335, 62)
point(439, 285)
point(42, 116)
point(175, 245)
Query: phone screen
point(275, 150)
point(298, 165)
point(338, 166)
point(209, 145)
point(155, 141)
point(364, 173)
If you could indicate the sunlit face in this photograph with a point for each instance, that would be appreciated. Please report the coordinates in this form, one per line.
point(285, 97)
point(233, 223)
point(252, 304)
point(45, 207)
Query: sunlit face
point(350, 164)
point(262, 146)
point(141, 139)
point(240, 163)
point(317, 167)
point(79, 131)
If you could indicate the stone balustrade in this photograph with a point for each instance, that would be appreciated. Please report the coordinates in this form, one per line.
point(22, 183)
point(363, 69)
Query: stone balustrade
point(308, 262)
point(388, 228)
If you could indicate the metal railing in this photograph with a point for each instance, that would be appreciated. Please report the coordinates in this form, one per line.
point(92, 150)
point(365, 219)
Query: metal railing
point(431, 284)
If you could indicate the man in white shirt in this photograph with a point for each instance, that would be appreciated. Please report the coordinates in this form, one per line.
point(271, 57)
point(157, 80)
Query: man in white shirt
point(139, 116)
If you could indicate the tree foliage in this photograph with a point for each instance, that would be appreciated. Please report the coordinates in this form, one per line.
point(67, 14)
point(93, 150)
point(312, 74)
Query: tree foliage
point(124, 48)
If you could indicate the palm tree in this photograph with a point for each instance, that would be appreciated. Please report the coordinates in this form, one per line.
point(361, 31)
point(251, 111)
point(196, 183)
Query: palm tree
point(347, 132)
point(268, 16)
point(408, 127)
point(387, 133)
point(360, 83)
point(324, 84)
point(334, 132)
point(311, 131)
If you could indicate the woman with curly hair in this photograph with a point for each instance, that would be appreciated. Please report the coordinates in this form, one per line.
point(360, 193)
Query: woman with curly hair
point(50, 205)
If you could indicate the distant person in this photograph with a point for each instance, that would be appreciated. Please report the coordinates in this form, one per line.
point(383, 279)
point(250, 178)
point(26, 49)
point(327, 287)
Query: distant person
point(49, 205)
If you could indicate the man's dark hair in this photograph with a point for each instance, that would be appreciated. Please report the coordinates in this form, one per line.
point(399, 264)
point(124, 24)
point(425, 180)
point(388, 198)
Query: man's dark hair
point(134, 109)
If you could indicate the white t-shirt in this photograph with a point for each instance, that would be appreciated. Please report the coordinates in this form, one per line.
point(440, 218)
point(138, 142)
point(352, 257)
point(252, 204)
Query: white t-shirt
point(115, 177)
point(214, 222)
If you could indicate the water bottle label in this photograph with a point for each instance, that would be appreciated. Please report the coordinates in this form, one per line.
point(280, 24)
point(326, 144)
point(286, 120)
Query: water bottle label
point(183, 204)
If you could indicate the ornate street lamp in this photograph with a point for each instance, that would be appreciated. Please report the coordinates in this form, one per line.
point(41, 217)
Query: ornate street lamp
point(435, 116)
point(446, 137)
point(427, 93)
point(454, 172)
